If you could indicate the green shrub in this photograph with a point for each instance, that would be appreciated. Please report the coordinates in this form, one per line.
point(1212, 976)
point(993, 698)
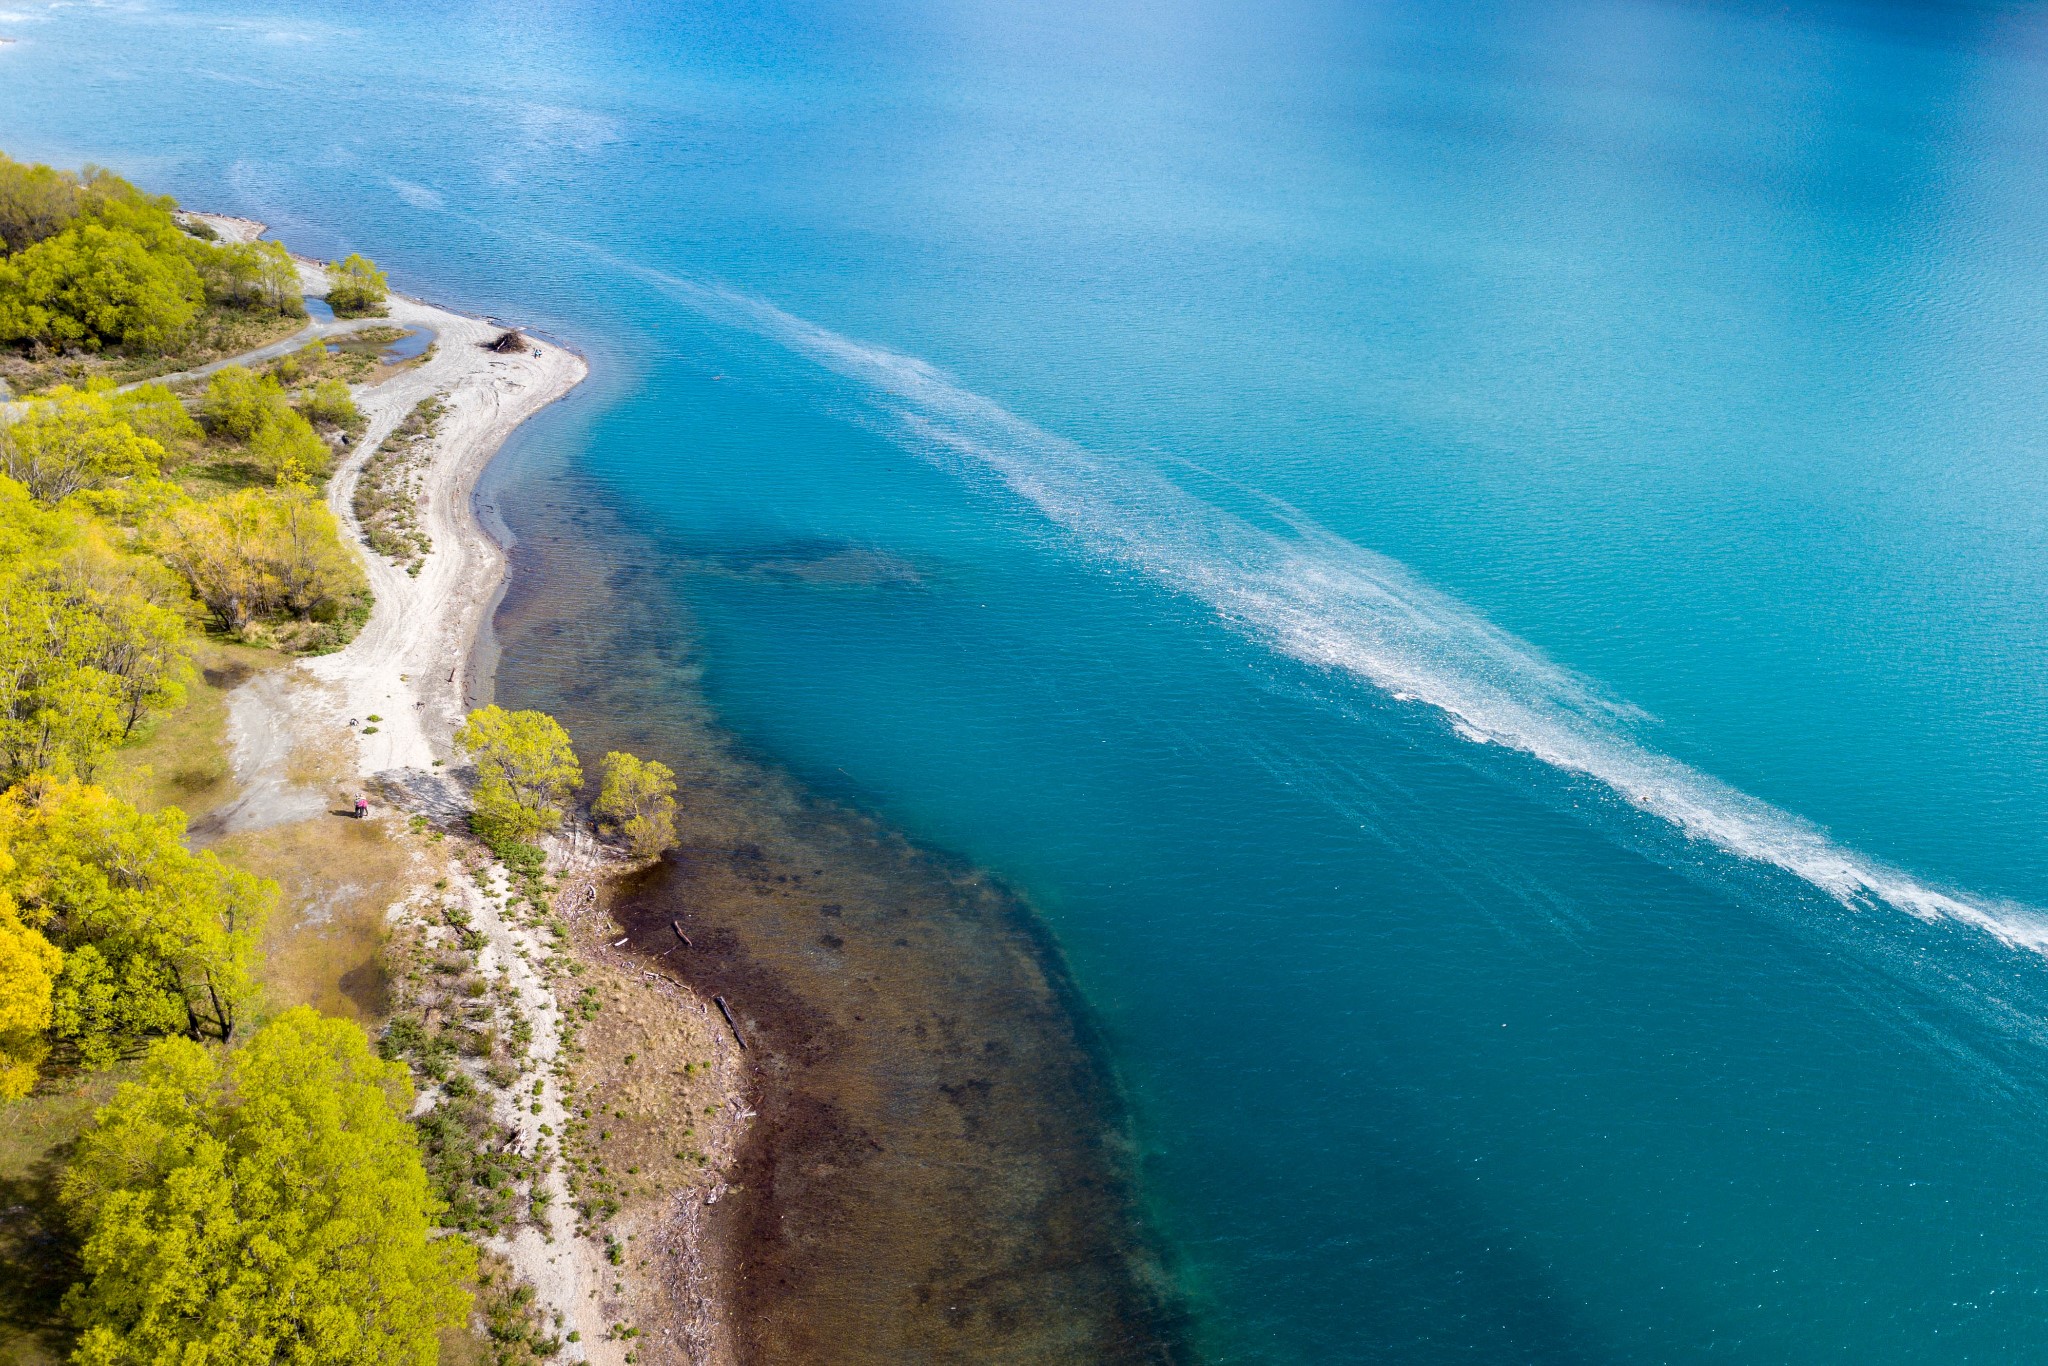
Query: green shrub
point(356, 288)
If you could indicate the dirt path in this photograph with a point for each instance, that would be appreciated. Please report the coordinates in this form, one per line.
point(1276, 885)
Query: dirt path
point(406, 665)
point(309, 333)
point(406, 669)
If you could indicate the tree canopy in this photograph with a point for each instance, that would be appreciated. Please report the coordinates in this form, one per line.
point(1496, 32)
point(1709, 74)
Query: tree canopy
point(91, 639)
point(70, 440)
point(29, 964)
point(255, 410)
point(526, 771)
point(35, 202)
point(259, 553)
point(156, 939)
point(88, 261)
point(636, 802)
point(356, 287)
point(267, 1205)
point(256, 275)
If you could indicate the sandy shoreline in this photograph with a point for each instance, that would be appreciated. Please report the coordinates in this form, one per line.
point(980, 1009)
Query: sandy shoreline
point(380, 715)
point(938, 1166)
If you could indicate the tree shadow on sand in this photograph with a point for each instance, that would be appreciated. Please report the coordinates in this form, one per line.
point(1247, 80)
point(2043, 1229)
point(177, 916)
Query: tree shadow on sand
point(38, 1263)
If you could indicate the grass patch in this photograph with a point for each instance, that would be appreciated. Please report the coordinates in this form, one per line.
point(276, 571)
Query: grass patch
point(315, 636)
point(504, 1328)
point(323, 947)
point(181, 758)
point(221, 332)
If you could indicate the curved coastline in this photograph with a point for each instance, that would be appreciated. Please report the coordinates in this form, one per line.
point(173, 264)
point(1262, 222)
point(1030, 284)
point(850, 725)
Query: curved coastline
point(295, 730)
point(941, 1164)
point(956, 1182)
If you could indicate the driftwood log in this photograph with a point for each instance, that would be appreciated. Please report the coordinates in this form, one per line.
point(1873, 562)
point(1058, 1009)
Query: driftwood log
point(506, 343)
point(733, 1024)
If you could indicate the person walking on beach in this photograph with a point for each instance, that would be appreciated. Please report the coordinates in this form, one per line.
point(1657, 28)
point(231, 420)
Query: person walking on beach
point(362, 807)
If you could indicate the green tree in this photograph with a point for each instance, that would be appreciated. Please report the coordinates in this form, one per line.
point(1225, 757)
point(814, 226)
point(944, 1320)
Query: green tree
point(299, 364)
point(268, 1207)
point(93, 286)
point(261, 553)
point(636, 801)
point(91, 639)
point(157, 939)
point(277, 280)
point(355, 287)
point(526, 771)
point(35, 202)
point(151, 410)
point(328, 404)
point(251, 275)
point(58, 708)
point(29, 530)
point(139, 639)
point(238, 402)
point(89, 261)
point(290, 452)
point(80, 439)
point(254, 409)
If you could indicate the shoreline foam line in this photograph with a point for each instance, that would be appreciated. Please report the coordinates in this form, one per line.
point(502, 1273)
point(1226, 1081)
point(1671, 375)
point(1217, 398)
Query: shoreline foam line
point(1315, 597)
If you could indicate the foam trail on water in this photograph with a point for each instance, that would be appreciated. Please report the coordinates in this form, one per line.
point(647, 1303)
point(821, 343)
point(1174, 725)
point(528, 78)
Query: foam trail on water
point(1311, 595)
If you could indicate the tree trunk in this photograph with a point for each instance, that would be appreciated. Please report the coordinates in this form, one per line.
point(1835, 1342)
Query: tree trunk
point(221, 1014)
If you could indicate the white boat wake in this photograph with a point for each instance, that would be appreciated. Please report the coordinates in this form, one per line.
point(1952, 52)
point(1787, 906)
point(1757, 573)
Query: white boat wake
point(1309, 594)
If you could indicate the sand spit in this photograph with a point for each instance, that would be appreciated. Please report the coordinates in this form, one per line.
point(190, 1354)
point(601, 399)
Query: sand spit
point(406, 665)
point(379, 716)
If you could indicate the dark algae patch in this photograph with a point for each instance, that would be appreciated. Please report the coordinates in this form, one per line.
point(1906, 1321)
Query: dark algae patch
point(938, 1169)
point(935, 1170)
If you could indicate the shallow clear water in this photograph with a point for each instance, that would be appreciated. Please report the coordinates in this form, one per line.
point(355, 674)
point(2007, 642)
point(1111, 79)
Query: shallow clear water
point(1649, 390)
point(413, 344)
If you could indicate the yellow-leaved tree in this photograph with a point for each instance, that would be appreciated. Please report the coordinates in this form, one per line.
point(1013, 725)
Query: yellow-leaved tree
point(266, 1205)
point(156, 939)
point(240, 405)
point(74, 439)
point(356, 288)
point(526, 772)
point(636, 802)
point(91, 639)
point(257, 553)
point(29, 964)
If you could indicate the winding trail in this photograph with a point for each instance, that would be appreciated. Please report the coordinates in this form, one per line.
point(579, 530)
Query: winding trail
point(407, 664)
point(406, 667)
point(316, 331)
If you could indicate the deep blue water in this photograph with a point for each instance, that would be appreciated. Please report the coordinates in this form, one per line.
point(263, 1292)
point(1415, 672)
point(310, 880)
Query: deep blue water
point(1482, 564)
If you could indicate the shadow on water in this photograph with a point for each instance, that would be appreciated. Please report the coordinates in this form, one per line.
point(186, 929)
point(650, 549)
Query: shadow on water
point(940, 1167)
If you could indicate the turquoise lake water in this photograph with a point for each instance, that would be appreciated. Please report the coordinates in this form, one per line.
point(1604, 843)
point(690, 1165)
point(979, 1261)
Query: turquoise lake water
point(1483, 565)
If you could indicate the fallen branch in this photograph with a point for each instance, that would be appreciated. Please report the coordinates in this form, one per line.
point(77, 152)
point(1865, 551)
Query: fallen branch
point(726, 1011)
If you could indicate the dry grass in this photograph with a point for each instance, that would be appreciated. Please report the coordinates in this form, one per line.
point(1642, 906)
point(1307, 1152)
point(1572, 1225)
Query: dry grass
point(181, 759)
point(644, 1076)
point(339, 876)
point(650, 1131)
point(221, 332)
